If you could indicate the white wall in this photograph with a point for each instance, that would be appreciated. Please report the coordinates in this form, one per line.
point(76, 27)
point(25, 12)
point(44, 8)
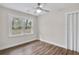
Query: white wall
point(52, 26)
point(5, 40)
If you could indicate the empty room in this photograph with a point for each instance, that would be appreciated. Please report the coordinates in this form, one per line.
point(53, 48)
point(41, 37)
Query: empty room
point(39, 28)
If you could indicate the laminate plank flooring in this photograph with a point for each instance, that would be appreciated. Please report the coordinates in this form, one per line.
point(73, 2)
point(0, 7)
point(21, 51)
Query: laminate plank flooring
point(37, 48)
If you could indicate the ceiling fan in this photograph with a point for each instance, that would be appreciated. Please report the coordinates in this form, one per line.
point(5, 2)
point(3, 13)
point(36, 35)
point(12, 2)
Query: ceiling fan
point(40, 8)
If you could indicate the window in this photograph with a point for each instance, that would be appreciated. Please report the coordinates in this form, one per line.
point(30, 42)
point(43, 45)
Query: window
point(27, 26)
point(20, 25)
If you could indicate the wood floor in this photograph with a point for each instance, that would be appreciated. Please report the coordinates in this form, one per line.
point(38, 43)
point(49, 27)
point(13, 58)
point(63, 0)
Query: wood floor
point(37, 48)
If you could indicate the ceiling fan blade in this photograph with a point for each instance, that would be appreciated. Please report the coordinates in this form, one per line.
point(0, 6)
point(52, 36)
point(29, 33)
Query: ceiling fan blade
point(44, 10)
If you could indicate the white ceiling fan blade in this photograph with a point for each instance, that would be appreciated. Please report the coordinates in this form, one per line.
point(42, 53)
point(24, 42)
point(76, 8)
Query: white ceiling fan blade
point(44, 10)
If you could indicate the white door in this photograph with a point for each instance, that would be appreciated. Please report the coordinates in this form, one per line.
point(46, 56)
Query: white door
point(72, 31)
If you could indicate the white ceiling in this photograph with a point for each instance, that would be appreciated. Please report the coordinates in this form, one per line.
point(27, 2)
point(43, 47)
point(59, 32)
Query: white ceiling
point(29, 7)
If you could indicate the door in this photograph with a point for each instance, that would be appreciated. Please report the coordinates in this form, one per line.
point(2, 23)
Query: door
point(72, 32)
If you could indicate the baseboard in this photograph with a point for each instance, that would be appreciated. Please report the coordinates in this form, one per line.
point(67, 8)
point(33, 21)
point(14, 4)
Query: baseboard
point(19, 44)
point(33, 40)
point(53, 43)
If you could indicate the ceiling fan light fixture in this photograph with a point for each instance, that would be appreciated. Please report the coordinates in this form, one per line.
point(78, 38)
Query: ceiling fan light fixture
point(38, 11)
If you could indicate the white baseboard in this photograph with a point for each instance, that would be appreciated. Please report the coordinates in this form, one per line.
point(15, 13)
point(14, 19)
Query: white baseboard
point(53, 43)
point(17, 44)
point(33, 40)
